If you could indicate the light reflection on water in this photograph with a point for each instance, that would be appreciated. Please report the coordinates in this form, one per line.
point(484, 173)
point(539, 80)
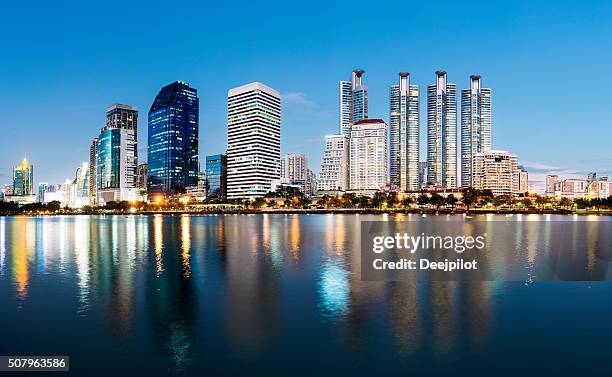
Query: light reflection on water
point(231, 290)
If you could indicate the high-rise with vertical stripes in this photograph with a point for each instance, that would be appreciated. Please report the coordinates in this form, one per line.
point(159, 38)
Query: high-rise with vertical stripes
point(353, 101)
point(253, 140)
point(442, 133)
point(476, 122)
point(404, 134)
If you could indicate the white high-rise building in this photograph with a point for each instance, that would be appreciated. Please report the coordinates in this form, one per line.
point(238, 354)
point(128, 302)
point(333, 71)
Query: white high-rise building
point(253, 140)
point(476, 122)
point(353, 101)
point(496, 171)
point(368, 155)
point(294, 169)
point(334, 168)
point(404, 134)
point(442, 133)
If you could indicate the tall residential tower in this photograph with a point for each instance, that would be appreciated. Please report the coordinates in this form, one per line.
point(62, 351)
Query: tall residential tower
point(404, 134)
point(442, 133)
point(475, 126)
point(353, 101)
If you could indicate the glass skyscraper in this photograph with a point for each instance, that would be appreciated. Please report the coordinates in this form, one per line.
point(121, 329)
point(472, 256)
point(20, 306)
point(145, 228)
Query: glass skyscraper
point(404, 134)
point(442, 133)
point(476, 122)
point(216, 176)
point(173, 140)
point(23, 179)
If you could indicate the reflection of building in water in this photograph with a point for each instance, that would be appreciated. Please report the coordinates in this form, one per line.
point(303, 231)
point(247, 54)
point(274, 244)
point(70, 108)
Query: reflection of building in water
point(158, 239)
point(251, 280)
point(294, 236)
point(170, 296)
point(186, 244)
point(2, 246)
point(23, 231)
point(81, 253)
point(403, 309)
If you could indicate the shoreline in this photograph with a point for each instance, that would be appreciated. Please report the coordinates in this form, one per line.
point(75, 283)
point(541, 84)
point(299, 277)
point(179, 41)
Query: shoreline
point(334, 211)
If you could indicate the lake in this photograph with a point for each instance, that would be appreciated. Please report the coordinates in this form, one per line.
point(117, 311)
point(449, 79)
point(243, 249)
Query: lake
point(283, 295)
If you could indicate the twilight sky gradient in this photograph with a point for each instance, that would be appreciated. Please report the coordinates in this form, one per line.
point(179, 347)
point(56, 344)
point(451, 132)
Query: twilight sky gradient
point(64, 62)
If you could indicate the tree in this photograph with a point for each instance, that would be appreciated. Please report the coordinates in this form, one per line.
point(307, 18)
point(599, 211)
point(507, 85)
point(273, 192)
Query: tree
point(407, 201)
point(379, 199)
point(541, 201)
point(423, 199)
point(565, 202)
point(364, 201)
point(526, 202)
point(392, 199)
point(469, 196)
point(436, 200)
point(259, 202)
point(451, 200)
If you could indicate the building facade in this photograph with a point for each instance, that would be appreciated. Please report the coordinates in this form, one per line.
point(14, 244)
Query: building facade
point(523, 180)
point(368, 155)
point(294, 169)
point(253, 140)
point(173, 140)
point(476, 125)
point(404, 134)
point(22, 190)
point(216, 176)
point(115, 174)
point(353, 101)
point(496, 171)
point(334, 167)
point(442, 133)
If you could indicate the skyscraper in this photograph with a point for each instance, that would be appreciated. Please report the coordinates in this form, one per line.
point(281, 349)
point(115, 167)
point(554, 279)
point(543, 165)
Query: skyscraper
point(353, 101)
point(116, 156)
point(404, 134)
point(334, 168)
point(476, 124)
point(368, 155)
point(93, 195)
point(442, 133)
point(216, 176)
point(173, 140)
point(115, 165)
point(294, 168)
point(253, 140)
point(23, 179)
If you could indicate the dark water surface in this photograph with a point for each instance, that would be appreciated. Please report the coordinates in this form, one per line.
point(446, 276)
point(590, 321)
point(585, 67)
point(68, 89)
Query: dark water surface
point(282, 295)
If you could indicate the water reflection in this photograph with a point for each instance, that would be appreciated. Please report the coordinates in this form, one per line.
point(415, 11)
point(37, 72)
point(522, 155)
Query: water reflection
point(246, 283)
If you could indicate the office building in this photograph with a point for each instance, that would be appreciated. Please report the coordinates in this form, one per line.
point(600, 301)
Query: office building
point(334, 167)
point(311, 188)
point(142, 172)
point(173, 140)
point(368, 155)
point(442, 133)
point(476, 123)
point(216, 176)
point(404, 134)
point(253, 140)
point(22, 190)
point(115, 167)
point(496, 171)
point(79, 190)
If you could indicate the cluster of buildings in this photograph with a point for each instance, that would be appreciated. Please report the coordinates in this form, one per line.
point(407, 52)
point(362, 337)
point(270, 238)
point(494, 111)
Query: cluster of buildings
point(572, 188)
point(365, 156)
point(368, 155)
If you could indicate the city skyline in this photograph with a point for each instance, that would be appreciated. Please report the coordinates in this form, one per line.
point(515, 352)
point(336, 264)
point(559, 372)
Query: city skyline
point(522, 57)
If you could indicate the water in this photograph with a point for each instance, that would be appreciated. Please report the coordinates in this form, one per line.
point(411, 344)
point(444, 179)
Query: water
point(280, 295)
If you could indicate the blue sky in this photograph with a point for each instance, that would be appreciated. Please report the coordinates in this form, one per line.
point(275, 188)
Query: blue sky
point(64, 62)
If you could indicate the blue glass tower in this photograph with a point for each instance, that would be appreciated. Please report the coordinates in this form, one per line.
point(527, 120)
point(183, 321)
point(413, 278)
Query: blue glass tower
point(216, 176)
point(173, 140)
